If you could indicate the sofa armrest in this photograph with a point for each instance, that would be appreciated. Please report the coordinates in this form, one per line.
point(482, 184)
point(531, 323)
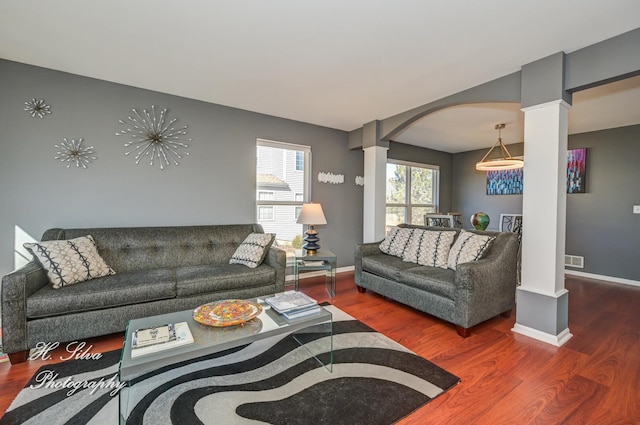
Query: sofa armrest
point(277, 258)
point(487, 287)
point(17, 286)
point(364, 250)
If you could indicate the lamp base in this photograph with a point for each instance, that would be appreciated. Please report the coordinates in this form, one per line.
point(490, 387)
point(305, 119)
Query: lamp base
point(311, 240)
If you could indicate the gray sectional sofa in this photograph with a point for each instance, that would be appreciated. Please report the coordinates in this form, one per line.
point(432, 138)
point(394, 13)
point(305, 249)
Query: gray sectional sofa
point(157, 270)
point(470, 294)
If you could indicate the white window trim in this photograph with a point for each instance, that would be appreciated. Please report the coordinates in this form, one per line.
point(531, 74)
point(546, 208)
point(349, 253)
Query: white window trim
point(307, 169)
point(436, 189)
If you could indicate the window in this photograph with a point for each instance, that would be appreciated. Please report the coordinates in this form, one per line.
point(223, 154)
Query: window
point(299, 160)
point(266, 196)
point(412, 192)
point(265, 213)
point(282, 186)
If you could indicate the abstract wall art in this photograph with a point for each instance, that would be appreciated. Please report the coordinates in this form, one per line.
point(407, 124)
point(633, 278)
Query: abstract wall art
point(576, 170)
point(506, 182)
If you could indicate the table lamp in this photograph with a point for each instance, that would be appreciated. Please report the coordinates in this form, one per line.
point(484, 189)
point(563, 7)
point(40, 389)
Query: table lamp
point(312, 215)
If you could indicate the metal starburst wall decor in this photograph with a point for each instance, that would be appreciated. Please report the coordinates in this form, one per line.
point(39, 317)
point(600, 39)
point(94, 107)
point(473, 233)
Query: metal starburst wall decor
point(72, 151)
point(154, 138)
point(37, 108)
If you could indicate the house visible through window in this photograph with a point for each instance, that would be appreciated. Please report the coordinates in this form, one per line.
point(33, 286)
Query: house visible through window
point(412, 192)
point(282, 186)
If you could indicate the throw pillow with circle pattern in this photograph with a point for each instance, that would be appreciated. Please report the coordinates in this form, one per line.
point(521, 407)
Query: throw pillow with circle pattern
point(70, 261)
point(253, 249)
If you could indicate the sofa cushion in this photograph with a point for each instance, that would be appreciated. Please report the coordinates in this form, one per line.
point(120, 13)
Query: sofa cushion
point(195, 280)
point(253, 249)
point(70, 261)
point(396, 241)
point(468, 247)
point(429, 247)
point(384, 265)
point(109, 291)
point(431, 279)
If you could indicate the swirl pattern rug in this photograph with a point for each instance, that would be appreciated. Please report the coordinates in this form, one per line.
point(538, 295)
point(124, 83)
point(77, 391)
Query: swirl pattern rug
point(375, 381)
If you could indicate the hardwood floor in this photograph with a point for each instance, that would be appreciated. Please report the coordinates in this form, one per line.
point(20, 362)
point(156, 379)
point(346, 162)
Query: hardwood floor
point(507, 378)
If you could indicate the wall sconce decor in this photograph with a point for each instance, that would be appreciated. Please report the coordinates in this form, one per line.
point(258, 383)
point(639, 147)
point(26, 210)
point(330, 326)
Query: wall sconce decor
point(154, 138)
point(72, 151)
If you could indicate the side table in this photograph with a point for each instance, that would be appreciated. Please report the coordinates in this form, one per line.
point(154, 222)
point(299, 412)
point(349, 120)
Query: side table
point(323, 259)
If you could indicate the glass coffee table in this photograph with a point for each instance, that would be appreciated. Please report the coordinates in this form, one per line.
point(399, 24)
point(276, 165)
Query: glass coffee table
point(210, 339)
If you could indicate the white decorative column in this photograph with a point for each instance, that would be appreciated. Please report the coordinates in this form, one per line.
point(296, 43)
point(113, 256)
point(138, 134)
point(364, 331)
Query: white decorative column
point(375, 172)
point(542, 310)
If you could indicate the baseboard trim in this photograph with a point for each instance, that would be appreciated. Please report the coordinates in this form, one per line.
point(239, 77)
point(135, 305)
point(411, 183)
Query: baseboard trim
point(557, 340)
point(306, 275)
point(602, 277)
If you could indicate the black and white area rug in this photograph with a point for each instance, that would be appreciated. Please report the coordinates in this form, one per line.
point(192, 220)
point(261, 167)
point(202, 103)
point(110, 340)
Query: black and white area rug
point(273, 381)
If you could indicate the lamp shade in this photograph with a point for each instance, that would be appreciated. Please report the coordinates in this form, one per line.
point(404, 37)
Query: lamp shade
point(312, 214)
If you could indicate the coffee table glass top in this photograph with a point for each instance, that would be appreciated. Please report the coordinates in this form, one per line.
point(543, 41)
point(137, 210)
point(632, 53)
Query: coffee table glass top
point(208, 339)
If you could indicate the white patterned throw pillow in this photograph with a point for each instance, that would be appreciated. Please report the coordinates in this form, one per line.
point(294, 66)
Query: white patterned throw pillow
point(396, 241)
point(429, 248)
point(70, 261)
point(253, 249)
point(468, 247)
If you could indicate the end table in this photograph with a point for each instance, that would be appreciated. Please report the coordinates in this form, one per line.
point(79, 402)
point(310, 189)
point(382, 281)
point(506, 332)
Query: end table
point(323, 259)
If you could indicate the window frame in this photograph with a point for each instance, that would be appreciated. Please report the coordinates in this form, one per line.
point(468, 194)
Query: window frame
point(306, 196)
point(407, 205)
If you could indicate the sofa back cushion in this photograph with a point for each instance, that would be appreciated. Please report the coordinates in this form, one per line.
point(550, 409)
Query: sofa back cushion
point(139, 248)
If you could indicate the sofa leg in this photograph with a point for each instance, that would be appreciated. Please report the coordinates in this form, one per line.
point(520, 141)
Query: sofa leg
point(507, 313)
point(463, 332)
point(361, 289)
point(19, 357)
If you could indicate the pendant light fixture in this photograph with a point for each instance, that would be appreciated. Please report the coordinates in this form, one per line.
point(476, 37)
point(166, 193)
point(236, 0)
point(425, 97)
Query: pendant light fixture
point(506, 162)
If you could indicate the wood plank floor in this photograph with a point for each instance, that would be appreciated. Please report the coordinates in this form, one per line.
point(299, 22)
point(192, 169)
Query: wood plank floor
point(507, 378)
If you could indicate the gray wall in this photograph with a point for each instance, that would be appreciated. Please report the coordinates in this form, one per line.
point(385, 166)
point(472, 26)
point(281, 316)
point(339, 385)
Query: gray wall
point(469, 189)
point(600, 223)
point(420, 155)
point(214, 184)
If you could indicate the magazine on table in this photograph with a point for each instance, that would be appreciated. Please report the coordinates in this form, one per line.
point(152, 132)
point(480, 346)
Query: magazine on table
point(296, 314)
point(289, 301)
point(152, 340)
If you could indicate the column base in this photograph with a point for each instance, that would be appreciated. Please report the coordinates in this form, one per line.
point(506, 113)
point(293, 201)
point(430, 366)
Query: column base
point(543, 316)
point(556, 340)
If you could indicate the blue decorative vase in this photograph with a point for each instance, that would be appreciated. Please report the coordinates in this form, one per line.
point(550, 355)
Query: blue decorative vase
point(480, 221)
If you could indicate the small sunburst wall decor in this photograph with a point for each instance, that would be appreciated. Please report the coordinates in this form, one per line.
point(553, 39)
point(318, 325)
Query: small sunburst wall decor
point(37, 108)
point(72, 151)
point(154, 138)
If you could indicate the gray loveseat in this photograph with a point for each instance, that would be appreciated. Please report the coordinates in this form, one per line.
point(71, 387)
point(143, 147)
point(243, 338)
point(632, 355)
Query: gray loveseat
point(474, 292)
point(158, 270)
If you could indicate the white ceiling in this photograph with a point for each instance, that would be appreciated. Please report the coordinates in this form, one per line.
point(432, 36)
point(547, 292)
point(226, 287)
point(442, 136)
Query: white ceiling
point(468, 127)
point(334, 63)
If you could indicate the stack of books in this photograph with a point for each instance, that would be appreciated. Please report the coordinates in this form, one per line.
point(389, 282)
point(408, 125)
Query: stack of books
point(293, 305)
point(159, 338)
